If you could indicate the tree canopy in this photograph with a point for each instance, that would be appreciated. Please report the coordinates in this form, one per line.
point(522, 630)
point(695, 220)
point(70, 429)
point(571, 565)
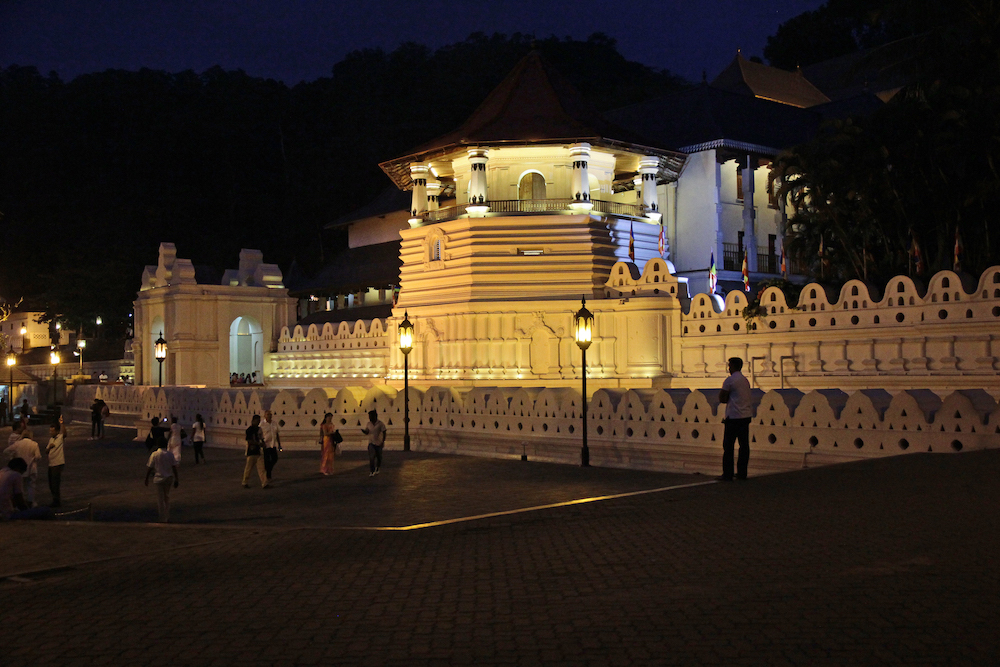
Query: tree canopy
point(97, 171)
point(922, 170)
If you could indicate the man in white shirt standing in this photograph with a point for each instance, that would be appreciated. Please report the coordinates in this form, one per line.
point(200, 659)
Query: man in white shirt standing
point(375, 430)
point(162, 467)
point(272, 442)
point(737, 397)
point(27, 449)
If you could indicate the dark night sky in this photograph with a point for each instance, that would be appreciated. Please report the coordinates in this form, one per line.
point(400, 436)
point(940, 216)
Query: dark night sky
point(296, 40)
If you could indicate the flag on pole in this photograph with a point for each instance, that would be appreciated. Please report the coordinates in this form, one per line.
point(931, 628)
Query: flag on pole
point(916, 254)
point(784, 268)
point(631, 243)
point(746, 272)
point(713, 275)
point(959, 250)
point(662, 244)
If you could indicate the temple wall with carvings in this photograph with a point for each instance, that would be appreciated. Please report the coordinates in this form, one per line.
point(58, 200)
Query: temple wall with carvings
point(656, 429)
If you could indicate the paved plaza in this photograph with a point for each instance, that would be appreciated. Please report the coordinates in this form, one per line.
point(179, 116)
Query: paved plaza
point(449, 560)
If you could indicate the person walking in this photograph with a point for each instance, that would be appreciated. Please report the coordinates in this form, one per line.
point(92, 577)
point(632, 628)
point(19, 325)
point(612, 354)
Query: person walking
point(95, 418)
point(736, 395)
point(3, 411)
point(176, 439)
point(57, 460)
point(326, 437)
point(105, 413)
point(157, 438)
point(163, 469)
point(375, 430)
point(198, 438)
point(255, 443)
point(26, 449)
point(25, 411)
point(272, 442)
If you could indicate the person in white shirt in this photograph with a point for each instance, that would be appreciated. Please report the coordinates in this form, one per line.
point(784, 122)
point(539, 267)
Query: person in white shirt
point(272, 442)
point(198, 438)
point(27, 449)
point(739, 411)
point(57, 460)
point(15, 433)
point(375, 430)
point(174, 444)
point(162, 467)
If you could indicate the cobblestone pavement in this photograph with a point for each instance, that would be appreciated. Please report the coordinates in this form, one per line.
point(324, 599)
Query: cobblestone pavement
point(888, 561)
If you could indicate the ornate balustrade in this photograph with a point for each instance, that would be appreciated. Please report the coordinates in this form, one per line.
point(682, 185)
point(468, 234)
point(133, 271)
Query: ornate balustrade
point(534, 206)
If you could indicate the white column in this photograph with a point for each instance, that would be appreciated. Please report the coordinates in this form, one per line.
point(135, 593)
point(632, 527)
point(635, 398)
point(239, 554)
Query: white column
point(648, 169)
point(749, 214)
point(433, 194)
point(478, 202)
point(418, 207)
point(580, 190)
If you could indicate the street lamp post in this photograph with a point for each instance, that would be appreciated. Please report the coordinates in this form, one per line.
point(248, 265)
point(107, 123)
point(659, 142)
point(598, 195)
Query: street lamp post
point(11, 362)
point(54, 360)
point(405, 345)
point(81, 344)
point(584, 326)
point(160, 352)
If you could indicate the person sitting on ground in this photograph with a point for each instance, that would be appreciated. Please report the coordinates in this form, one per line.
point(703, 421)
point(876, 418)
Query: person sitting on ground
point(12, 503)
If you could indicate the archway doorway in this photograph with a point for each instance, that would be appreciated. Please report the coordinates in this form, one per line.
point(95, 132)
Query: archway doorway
point(531, 186)
point(246, 348)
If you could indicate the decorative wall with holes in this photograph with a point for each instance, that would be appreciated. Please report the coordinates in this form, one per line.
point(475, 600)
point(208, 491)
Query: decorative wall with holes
point(681, 430)
point(656, 429)
point(945, 336)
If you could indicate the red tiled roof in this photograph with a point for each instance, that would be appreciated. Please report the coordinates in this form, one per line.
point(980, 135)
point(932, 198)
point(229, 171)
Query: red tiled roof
point(534, 104)
point(769, 83)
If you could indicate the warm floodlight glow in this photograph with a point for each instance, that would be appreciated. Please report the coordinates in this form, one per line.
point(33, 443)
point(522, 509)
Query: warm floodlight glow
point(81, 343)
point(11, 358)
point(54, 358)
point(24, 329)
point(405, 334)
point(99, 320)
point(583, 323)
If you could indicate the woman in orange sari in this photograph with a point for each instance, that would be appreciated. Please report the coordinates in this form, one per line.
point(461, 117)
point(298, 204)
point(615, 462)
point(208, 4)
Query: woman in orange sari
point(326, 430)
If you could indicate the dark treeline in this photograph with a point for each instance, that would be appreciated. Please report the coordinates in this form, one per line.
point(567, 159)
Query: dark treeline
point(921, 172)
point(97, 171)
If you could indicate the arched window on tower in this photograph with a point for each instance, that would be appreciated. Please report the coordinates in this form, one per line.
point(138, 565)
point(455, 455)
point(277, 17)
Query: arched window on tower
point(531, 186)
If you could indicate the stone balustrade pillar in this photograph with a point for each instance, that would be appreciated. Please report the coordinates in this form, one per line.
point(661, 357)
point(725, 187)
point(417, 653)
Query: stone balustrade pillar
point(418, 207)
point(433, 194)
point(478, 200)
point(649, 167)
point(580, 186)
